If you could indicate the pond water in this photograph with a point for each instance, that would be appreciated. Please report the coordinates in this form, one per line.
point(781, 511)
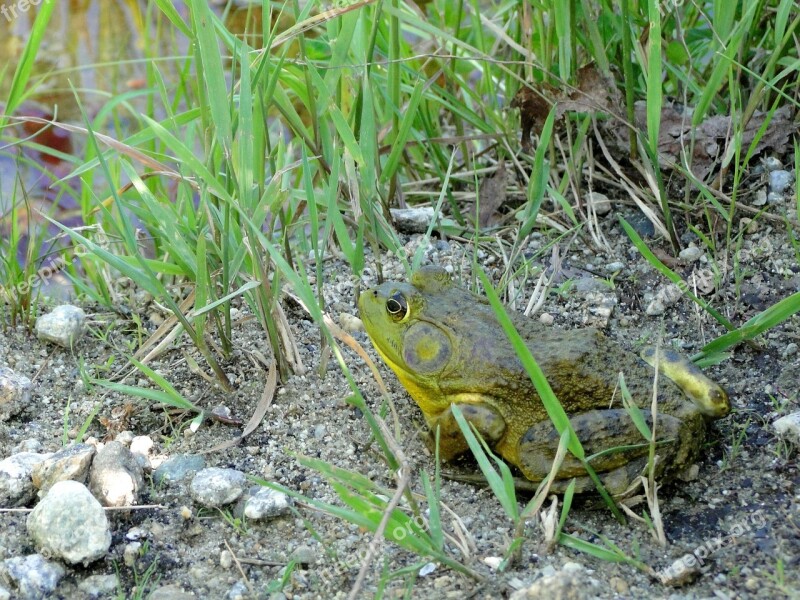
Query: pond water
point(95, 63)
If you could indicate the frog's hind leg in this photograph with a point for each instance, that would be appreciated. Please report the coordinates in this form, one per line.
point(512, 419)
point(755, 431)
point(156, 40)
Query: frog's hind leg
point(618, 451)
point(707, 395)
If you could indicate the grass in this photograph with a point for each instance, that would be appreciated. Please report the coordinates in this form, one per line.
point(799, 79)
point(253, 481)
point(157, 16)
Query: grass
point(247, 163)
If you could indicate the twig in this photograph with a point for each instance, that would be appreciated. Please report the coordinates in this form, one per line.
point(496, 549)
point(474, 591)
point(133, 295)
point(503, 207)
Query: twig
point(239, 567)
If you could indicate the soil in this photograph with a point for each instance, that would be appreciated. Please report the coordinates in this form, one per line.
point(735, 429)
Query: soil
point(740, 516)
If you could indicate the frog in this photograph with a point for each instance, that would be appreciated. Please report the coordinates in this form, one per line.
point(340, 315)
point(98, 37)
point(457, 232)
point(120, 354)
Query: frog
point(447, 347)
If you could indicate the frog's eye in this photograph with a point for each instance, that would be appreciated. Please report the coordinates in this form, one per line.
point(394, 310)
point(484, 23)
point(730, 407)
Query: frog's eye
point(397, 307)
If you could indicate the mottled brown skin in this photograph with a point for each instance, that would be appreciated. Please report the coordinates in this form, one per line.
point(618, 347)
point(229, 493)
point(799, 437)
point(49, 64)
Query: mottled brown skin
point(446, 346)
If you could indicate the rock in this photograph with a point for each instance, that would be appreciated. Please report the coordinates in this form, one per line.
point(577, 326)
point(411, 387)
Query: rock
point(774, 198)
point(116, 476)
point(99, 586)
point(350, 323)
point(70, 524)
point(615, 267)
point(642, 225)
point(70, 463)
point(15, 393)
point(599, 306)
point(571, 582)
point(239, 591)
point(690, 254)
point(772, 164)
point(31, 577)
point(178, 468)
point(16, 485)
point(789, 426)
point(263, 503)
point(546, 319)
point(171, 592)
point(598, 201)
point(131, 553)
point(29, 445)
point(684, 570)
point(64, 326)
point(665, 296)
point(140, 447)
point(790, 350)
point(214, 487)
point(779, 180)
point(412, 220)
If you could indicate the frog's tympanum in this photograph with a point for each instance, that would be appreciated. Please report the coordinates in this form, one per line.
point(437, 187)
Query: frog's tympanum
point(447, 347)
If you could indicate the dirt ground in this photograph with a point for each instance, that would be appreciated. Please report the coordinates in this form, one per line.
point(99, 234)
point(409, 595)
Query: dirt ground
point(740, 516)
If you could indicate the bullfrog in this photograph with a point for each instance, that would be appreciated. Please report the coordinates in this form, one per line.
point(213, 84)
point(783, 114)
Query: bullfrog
point(447, 347)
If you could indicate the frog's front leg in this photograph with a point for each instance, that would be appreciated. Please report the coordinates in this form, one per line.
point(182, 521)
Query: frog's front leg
point(489, 423)
point(599, 430)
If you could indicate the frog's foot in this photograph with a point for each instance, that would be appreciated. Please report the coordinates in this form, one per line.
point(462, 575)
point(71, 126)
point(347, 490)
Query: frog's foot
point(487, 421)
point(707, 395)
point(616, 450)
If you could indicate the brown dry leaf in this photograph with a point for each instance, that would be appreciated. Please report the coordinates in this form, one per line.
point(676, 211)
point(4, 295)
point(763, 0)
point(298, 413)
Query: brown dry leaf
point(595, 92)
point(534, 106)
point(712, 135)
point(491, 195)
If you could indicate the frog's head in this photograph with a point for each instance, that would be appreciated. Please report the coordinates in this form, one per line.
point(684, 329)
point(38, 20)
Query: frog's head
point(399, 320)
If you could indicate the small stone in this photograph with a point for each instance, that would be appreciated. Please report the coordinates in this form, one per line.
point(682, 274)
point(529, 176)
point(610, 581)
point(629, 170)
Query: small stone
point(681, 572)
point(319, 432)
point(16, 485)
point(70, 524)
point(772, 164)
point(131, 553)
point(124, 437)
point(619, 585)
point(690, 254)
point(222, 412)
point(303, 555)
point(789, 426)
point(70, 463)
point(412, 220)
point(225, 559)
point(99, 586)
point(15, 393)
point(350, 323)
point(599, 306)
point(779, 180)
point(748, 225)
point(239, 591)
point(572, 582)
point(615, 267)
point(546, 319)
point(178, 468)
point(264, 503)
point(214, 487)
point(172, 591)
point(31, 577)
point(664, 297)
point(598, 201)
point(790, 350)
point(135, 534)
point(64, 326)
point(116, 476)
point(29, 445)
point(140, 447)
point(494, 562)
point(761, 198)
point(774, 198)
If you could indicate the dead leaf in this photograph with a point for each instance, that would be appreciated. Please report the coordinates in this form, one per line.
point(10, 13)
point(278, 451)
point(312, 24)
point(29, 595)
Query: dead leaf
point(491, 195)
point(709, 139)
point(594, 92)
